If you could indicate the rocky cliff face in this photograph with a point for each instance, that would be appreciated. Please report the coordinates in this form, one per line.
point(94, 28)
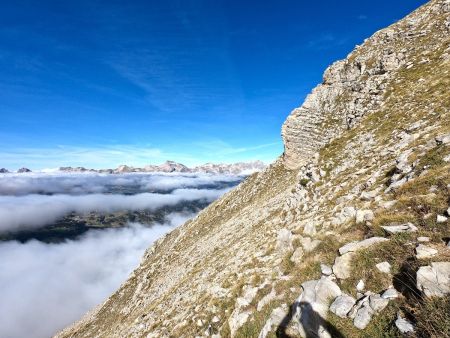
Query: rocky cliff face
point(355, 87)
point(345, 235)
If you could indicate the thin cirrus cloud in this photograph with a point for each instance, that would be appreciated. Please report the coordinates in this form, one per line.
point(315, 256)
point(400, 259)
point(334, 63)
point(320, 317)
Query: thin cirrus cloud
point(45, 287)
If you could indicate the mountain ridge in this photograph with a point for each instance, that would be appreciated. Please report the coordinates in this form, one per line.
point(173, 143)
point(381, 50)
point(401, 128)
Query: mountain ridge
point(167, 167)
point(290, 248)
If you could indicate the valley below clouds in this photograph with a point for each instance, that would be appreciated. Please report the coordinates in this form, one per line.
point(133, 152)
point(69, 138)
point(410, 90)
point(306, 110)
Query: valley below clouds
point(49, 279)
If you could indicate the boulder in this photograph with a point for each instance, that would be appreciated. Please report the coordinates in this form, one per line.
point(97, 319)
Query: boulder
point(360, 286)
point(363, 317)
point(342, 305)
point(441, 219)
point(326, 270)
point(363, 216)
point(297, 255)
point(309, 244)
point(406, 227)
point(443, 139)
point(355, 246)
point(311, 307)
point(434, 279)
point(275, 320)
point(423, 251)
point(404, 325)
point(342, 266)
point(266, 300)
point(284, 241)
point(384, 267)
point(423, 239)
point(310, 228)
point(237, 320)
point(390, 294)
point(378, 303)
point(368, 195)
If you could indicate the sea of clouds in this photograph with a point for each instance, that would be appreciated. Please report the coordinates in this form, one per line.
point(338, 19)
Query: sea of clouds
point(46, 286)
point(34, 200)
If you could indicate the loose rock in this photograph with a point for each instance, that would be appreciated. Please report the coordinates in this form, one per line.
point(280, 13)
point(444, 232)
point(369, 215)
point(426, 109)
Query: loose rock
point(342, 267)
point(434, 279)
point(360, 286)
point(342, 305)
point(355, 246)
point(441, 219)
point(423, 251)
point(326, 270)
point(390, 293)
point(384, 267)
point(404, 325)
point(407, 227)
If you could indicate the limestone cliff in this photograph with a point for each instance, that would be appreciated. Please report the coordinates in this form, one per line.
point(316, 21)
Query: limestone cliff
point(365, 178)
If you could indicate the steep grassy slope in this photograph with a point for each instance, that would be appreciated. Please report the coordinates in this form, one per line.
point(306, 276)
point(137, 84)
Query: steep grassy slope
point(210, 275)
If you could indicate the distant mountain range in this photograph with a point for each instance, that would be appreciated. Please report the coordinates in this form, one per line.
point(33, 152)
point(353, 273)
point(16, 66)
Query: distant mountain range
point(170, 167)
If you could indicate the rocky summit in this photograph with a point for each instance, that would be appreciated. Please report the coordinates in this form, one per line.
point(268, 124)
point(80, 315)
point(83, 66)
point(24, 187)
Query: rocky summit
point(238, 168)
point(345, 235)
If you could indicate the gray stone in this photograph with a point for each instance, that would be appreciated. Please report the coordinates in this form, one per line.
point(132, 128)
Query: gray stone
point(311, 307)
point(297, 255)
point(404, 325)
point(378, 303)
point(434, 279)
point(443, 139)
point(406, 227)
point(423, 251)
point(342, 305)
point(355, 246)
point(309, 244)
point(423, 239)
point(310, 228)
point(342, 267)
point(275, 319)
point(360, 286)
point(368, 195)
point(237, 320)
point(284, 240)
point(384, 267)
point(363, 317)
point(326, 270)
point(390, 293)
point(266, 300)
point(364, 216)
point(349, 212)
point(441, 219)
point(387, 204)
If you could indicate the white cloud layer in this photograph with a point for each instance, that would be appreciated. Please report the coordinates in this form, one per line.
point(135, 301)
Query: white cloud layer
point(84, 183)
point(44, 287)
point(32, 211)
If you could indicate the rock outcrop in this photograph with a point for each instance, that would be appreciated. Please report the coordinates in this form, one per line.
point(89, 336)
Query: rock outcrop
point(366, 150)
point(23, 170)
point(351, 89)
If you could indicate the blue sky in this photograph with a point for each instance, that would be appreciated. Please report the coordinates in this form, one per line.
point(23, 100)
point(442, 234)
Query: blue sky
point(101, 83)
